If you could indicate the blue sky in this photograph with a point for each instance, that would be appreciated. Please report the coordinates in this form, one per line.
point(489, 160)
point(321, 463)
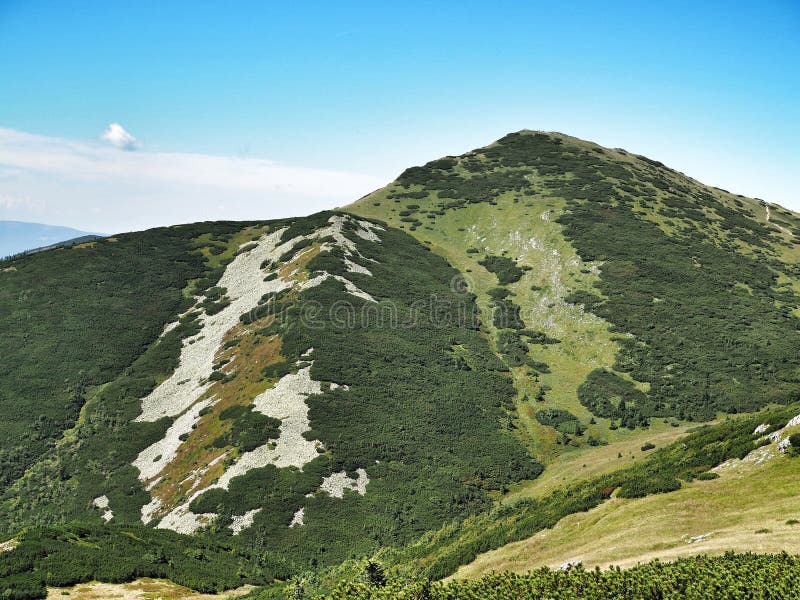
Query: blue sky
point(340, 97)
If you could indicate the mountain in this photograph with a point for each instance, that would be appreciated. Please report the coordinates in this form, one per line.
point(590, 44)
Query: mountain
point(490, 346)
point(16, 236)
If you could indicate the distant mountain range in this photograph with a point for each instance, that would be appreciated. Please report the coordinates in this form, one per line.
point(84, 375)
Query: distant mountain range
point(17, 236)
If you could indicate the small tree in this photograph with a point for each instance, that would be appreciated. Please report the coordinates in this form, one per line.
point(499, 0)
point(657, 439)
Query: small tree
point(794, 449)
point(374, 574)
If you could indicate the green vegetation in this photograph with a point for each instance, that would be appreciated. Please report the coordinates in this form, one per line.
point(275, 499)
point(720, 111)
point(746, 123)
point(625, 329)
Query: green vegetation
point(560, 420)
point(506, 269)
point(94, 457)
point(564, 298)
point(65, 555)
point(439, 555)
point(702, 289)
point(608, 395)
point(249, 431)
point(74, 319)
point(732, 576)
point(412, 435)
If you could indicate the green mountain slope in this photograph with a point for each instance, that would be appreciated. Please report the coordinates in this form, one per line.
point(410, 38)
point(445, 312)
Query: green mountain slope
point(73, 319)
point(457, 362)
point(675, 299)
point(285, 407)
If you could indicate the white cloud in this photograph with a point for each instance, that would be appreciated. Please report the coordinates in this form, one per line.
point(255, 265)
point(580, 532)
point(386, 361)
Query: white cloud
point(116, 135)
point(95, 187)
point(8, 202)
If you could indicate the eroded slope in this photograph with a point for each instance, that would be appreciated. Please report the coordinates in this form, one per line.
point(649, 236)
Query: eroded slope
point(323, 394)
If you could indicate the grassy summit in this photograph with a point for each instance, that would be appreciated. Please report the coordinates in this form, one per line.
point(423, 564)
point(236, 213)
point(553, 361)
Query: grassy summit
point(670, 299)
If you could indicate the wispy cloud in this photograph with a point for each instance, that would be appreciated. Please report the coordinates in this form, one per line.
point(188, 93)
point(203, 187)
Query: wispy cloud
point(116, 135)
point(93, 186)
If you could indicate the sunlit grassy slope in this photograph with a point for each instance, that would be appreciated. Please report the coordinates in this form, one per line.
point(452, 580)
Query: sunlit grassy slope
point(751, 507)
point(517, 213)
point(525, 228)
point(568, 195)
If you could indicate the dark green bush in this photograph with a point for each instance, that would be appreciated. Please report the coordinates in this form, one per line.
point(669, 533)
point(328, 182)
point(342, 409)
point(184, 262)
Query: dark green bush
point(506, 270)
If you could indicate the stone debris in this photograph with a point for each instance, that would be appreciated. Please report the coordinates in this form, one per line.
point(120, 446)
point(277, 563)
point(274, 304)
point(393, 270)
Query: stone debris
point(298, 518)
point(182, 520)
point(287, 402)
point(697, 538)
point(153, 459)
point(242, 522)
point(244, 280)
point(780, 443)
point(356, 268)
point(101, 502)
point(335, 485)
point(182, 395)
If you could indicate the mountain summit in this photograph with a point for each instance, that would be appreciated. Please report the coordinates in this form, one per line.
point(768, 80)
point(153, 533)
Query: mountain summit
point(487, 345)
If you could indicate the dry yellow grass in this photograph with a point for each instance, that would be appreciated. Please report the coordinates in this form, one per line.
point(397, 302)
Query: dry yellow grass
point(577, 464)
point(749, 508)
point(141, 589)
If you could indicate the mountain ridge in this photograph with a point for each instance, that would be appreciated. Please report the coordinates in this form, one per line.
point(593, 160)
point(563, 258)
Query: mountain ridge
point(20, 236)
point(489, 344)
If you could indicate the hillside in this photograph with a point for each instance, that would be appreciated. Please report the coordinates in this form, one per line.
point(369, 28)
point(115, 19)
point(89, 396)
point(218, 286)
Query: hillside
point(500, 359)
point(277, 396)
point(751, 507)
point(678, 298)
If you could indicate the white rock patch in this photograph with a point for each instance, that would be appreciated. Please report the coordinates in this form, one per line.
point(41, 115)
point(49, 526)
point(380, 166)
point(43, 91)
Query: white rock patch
point(335, 485)
point(150, 510)
point(298, 519)
point(8, 545)
point(169, 327)
point(152, 460)
point(180, 395)
point(244, 280)
point(762, 454)
point(697, 538)
point(101, 502)
point(351, 288)
point(366, 231)
point(353, 267)
point(287, 402)
point(182, 520)
point(780, 436)
point(794, 422)
point(242, 522)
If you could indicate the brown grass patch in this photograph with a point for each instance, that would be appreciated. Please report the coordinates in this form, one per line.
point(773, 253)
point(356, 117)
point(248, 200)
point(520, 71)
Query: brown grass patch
point(190, 470)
